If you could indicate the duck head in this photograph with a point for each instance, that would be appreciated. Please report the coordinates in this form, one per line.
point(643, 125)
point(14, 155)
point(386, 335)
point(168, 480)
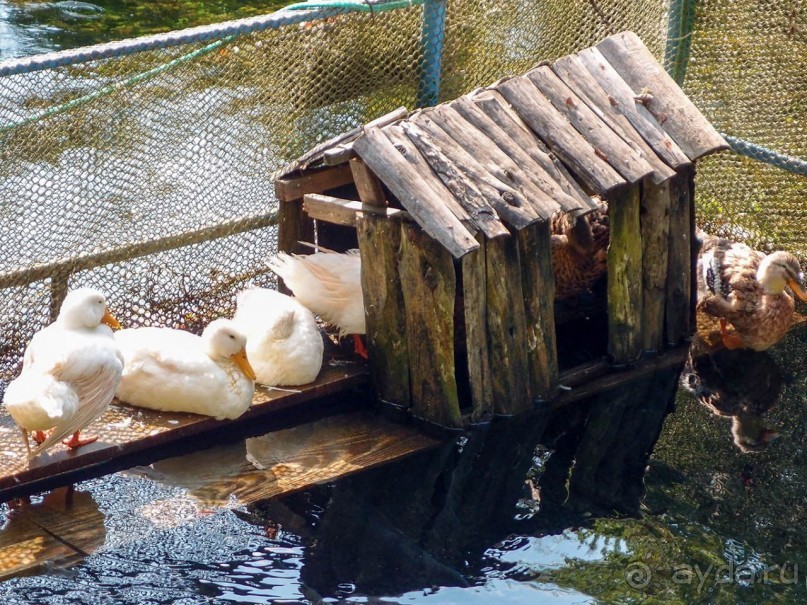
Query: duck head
point(749, 433)
point(86, 308)
point(781, 269)
point(225, 342)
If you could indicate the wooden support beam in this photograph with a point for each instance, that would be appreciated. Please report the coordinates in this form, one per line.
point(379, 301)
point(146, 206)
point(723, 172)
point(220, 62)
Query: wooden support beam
point(507, 327)
point(369, 186)
point(388, 353)
point(316, 181)
point(554, 129)
point(293, 226)
point(428, 283)
point(655, 220)
point(538, 284)
point(622, 157)
point(624, 99)
point(340, 211)
point(407, 175)
point(474, 292)
point(675, 112)
point(680, 272)
point(625, 276)
point(575, 75)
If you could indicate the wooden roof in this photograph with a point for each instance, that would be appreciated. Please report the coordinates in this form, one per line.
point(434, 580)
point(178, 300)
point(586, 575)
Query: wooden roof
point(528, 146)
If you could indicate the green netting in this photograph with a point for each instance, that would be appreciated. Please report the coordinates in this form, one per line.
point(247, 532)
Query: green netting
point(118, 164)
point(746, 73)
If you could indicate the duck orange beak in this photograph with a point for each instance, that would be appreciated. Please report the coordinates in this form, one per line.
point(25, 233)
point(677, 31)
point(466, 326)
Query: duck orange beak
point(242, 362)
point(798, 290)
point(110, 320)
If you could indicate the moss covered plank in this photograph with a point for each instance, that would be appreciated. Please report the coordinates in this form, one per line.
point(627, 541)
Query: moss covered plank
point(428, 282)
point(625, 276)
point(388, 353)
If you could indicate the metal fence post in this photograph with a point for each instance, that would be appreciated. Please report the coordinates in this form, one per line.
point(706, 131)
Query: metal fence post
point(432, 33)
point(680, 25)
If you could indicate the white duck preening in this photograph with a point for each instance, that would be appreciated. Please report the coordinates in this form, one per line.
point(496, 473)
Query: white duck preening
point(283, 340)
point(176, 371)
point(328, 283)
point(70, 372)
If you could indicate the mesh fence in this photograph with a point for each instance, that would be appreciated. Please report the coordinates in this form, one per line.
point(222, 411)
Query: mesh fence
point(145, 168)
point(746, 73)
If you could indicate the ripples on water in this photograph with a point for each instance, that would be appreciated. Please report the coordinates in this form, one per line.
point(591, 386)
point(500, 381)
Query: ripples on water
point(711, 510)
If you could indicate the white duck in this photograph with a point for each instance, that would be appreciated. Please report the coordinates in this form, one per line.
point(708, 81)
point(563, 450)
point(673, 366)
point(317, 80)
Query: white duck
point(176, 371)
point(328, 283)
point(70, 372)
point(283, 341)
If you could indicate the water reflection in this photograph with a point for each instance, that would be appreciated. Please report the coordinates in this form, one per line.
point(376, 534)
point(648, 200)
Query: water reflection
point(740, 384)
point(502, 515)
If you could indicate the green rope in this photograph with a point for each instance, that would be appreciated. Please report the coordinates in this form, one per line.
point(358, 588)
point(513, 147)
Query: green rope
point(361, 6)
point(107, 90)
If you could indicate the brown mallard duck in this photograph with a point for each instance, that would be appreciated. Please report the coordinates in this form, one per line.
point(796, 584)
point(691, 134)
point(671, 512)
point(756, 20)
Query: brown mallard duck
point(579, 251)
point(747, 291)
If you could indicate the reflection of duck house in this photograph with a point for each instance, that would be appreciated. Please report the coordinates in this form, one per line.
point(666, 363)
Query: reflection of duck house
point(451, 205)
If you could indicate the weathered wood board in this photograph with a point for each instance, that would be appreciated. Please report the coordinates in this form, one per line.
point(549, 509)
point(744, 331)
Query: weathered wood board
point(132, 435)
point(665, 100)
point(66, 524)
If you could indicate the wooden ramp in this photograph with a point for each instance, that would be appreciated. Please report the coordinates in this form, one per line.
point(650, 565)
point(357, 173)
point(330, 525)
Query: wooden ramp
point(129, 436)
point(68, 525)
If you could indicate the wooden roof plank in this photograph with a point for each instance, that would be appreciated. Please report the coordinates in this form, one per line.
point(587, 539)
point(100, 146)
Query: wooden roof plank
point(339, 149)
point(476, 116)
point(574, 74)
point(553, 128)
point(463, 188)
point(676, 113)
point(623, 158)
point(637, 114)
point(509, 203)
point(406, 173)
point(496, 107)
point(431, 180)
point(494, 160)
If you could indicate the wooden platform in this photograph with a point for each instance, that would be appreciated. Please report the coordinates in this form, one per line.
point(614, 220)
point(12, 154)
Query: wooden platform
point(68, 525)
point(129, 436)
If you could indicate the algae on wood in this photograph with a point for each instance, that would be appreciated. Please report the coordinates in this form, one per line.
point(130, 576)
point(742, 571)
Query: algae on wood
point(388, 353)
point(538, 284)
point(655, 219)
point(429, 286)
point(681, 259)
point(474, 293)
point(625, 276)
point(507, 326)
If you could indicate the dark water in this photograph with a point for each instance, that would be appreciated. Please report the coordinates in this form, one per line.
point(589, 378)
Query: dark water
point(485, 519)
point(482, 520)
point(29, 27)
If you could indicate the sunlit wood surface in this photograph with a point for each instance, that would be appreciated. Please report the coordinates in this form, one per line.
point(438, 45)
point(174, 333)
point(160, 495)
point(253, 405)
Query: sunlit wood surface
point(65, 525)
point(126, 431)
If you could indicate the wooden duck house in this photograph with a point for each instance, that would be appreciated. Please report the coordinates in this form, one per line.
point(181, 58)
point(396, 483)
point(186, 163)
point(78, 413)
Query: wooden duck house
point(451, 209)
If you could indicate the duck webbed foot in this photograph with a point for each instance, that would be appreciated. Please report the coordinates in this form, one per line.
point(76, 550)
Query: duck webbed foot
point(75, 441)
point(358, 344)
point(730, 339)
